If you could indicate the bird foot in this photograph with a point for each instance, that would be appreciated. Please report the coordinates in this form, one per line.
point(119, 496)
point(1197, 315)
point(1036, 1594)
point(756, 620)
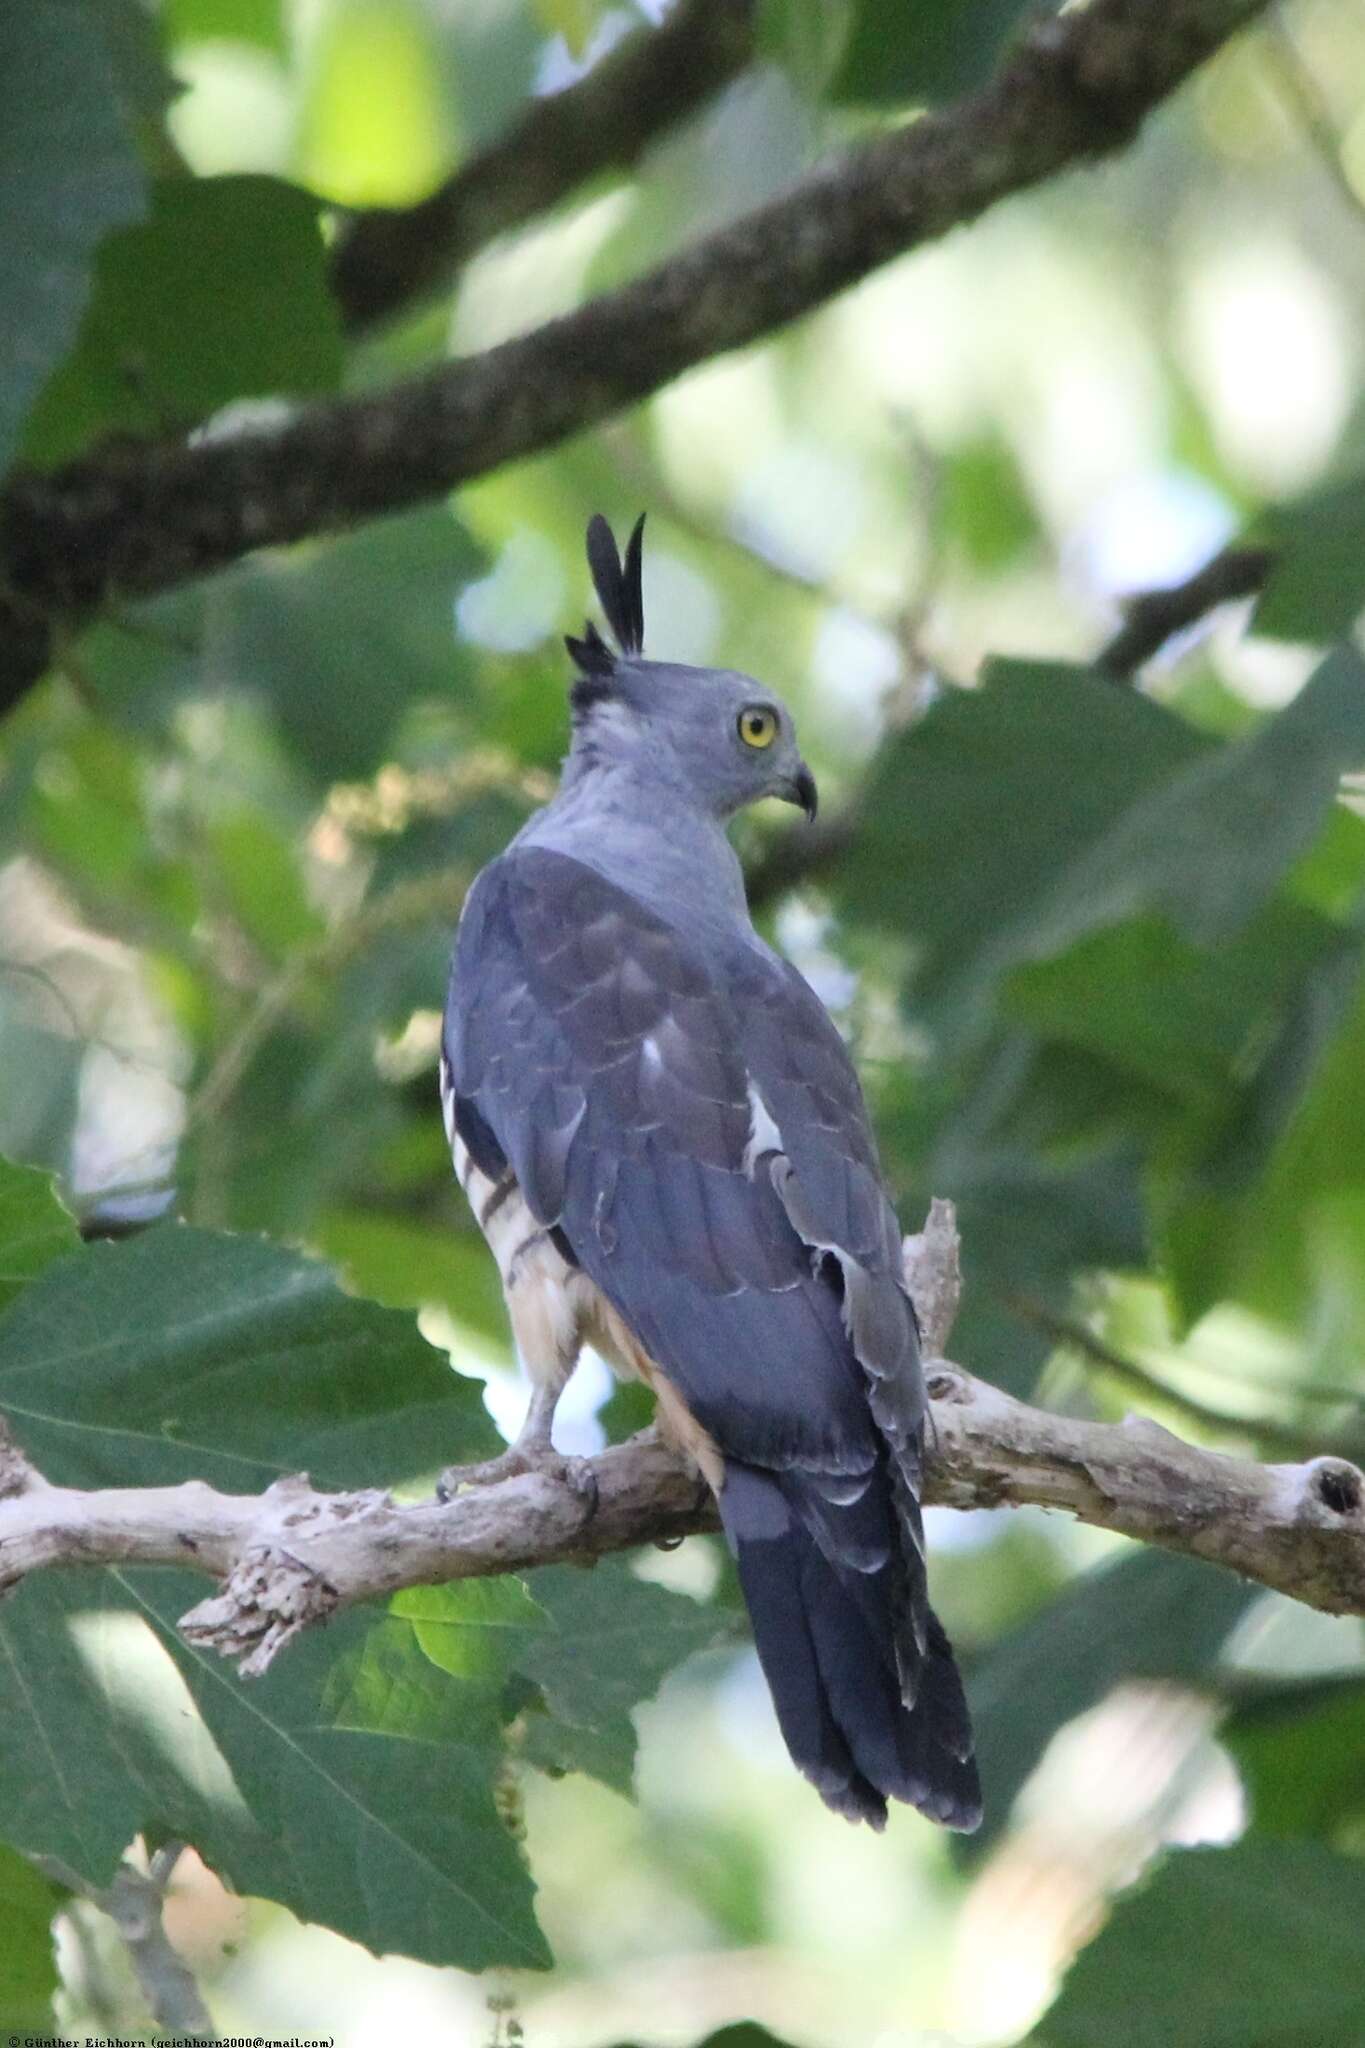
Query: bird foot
point(576, 1475)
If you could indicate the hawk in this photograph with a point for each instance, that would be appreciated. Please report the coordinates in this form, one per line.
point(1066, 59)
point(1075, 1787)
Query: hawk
point(666, 1146)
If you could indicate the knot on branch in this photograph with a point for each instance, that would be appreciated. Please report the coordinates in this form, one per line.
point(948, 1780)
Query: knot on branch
point(271, 1593)
point(1335, 1486)
point(268, 1598)
point(16, 1474)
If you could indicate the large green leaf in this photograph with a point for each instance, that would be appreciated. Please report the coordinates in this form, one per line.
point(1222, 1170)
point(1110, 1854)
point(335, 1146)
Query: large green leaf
point(28, 1969)
point(248, 21)
point(339, 639)
point(1256, 1946)
point(220, 294)
point(351, 1783)
point(1211, 842)
point(34, 1228)
point(354, 1783)
point(37, 1118)
point(1084, 806)
point(1147, 1616)
point(976, 815)
point(68, 175)
point(1283, 1239)
point(408, 1265)
point(1301, 1752)
point(595, 1644)
point(183, 1354)
point(1316, 588)
point(932, 51)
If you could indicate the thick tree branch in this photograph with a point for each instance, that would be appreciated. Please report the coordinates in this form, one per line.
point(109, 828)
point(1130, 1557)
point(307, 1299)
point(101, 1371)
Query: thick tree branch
point(142, 518)
point(386, 258)
point(292, 1556)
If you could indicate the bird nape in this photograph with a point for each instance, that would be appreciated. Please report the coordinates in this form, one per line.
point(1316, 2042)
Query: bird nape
point(667, 1149)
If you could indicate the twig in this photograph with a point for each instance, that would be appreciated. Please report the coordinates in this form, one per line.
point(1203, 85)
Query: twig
point(134, 1902)
point(1075, 87)
point(415, 902)
point(1129, 1372)
point(1156, 616)
point(290, 1557)
point(386, 259)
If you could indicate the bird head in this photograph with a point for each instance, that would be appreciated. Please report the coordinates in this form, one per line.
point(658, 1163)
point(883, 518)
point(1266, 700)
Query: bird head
point(718, 734)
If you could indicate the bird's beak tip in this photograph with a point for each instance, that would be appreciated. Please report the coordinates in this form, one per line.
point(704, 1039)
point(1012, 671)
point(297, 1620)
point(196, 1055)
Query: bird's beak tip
point(806, 794)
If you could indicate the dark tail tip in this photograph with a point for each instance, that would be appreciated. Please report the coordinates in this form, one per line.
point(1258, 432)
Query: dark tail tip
point(826, 1641)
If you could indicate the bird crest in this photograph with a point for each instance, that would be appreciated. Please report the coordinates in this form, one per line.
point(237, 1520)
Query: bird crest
point(617, 582)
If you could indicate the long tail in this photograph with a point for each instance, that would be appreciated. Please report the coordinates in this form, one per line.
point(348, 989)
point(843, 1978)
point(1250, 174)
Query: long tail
point(826, 1633)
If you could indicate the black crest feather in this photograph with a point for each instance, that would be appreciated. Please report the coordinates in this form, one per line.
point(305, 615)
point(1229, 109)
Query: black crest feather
point(619, 586)
point(618, 583)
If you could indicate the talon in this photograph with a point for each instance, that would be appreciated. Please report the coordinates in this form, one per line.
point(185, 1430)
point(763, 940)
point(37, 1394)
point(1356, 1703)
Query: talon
point(579, 1476)
point(515, 1462)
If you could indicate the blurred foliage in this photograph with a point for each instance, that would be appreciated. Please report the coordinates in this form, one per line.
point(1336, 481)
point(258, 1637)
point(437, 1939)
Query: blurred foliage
point(1098, 947)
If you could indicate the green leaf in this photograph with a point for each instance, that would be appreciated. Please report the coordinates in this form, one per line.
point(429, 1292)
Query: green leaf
point(1316, 589)
point(182, 1354)
point(1301, 1752)
point(556, 1747)
point(475, 1629)
point(338, 638)
point(260, 872)
point(932, 51)
point(353, 1783)
point(1084, 806)
point(243, 21)
point(28, 1968)
point(37, 1120)
point(1147, 1616)
point(221, 294)
point(34, 1228)
point(614, 1639)
point(1028, 1228)
point(1025, 774)
point(1211, 843)
point(806, 37)
point(68, 174)
point(408, 1265)
point(1256, 1946)
point(596, 1643)
point(1187, 1020)
point(1283, 1240)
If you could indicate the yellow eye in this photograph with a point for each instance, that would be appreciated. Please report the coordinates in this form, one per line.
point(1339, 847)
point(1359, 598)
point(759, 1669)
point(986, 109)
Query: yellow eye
point(757, 725)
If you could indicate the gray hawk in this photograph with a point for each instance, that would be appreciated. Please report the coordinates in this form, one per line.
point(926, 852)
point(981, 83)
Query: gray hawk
point(666, 1146)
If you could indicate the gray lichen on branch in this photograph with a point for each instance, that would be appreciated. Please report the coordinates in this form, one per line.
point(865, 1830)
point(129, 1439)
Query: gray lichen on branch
point(290, 1557)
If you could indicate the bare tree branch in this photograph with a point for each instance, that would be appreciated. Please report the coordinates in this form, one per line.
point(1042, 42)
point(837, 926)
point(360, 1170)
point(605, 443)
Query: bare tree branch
point(386, 258)
point(291, 1556)
point(1155, 616)
point(144, 517)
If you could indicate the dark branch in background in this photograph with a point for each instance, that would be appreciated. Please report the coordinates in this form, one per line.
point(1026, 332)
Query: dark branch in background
point(144, 518)
point(386, 259)
point(1156, 616)
point(1076, 1337)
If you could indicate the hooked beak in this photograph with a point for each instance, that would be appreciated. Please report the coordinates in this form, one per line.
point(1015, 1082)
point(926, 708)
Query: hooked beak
point(801, 790)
